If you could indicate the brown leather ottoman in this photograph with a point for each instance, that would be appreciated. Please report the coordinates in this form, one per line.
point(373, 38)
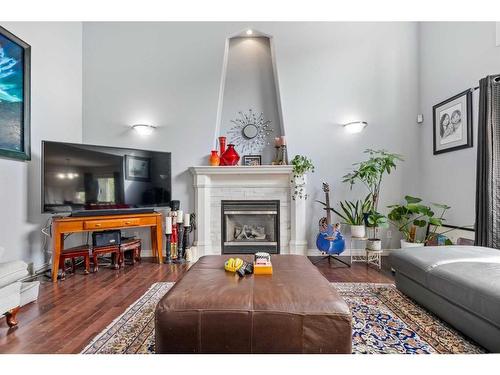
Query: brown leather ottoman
point(295, 310)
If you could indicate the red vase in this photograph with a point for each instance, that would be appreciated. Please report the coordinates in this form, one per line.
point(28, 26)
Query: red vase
point(222, 145)
point(230, 157)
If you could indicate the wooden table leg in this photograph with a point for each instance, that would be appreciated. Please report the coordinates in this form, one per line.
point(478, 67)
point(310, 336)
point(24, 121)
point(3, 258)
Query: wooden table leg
point(156, 240)
point(87, 264)
point(56, 253)
point(95, 261)
point(159, 240)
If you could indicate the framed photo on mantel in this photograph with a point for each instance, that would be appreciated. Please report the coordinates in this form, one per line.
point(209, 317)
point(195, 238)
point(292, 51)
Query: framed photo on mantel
point(15, 57)
point(452, 123)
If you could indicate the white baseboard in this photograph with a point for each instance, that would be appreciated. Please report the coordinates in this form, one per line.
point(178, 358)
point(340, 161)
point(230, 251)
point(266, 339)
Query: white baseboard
point(309, 252)
point(347, 252)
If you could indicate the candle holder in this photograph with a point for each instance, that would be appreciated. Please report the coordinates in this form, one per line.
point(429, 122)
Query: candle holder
point(180, 237)
point(276, 160)
point(185, 240)
point(173, 243)
point(283, 155)
point(168, 254)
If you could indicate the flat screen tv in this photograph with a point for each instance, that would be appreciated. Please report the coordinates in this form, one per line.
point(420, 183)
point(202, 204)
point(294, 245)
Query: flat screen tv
point(81, 179)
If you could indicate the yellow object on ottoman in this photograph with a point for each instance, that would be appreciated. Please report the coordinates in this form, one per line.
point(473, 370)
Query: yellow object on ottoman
point(262, 269)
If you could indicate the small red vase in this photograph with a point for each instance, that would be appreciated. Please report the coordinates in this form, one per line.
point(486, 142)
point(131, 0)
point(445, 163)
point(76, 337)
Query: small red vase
point(230, 157)
point(222, 145)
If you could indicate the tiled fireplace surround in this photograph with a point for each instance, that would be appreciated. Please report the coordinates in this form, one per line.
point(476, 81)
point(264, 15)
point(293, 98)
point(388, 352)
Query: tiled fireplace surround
point(214, 184)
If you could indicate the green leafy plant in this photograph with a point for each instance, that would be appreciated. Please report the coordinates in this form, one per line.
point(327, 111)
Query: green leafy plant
point(413, 214)
point(352, 213)
point(371, 172)
point(375, 220)
point(301, 165)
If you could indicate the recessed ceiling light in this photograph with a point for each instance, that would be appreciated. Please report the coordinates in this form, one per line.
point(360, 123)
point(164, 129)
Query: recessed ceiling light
point(249, 32)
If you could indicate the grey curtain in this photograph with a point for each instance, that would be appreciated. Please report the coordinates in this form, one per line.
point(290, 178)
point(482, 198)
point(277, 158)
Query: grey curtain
point(488, 164)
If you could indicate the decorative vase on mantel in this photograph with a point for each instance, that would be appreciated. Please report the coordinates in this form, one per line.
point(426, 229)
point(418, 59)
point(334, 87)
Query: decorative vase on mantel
point(222, 145)
point(214, 159)
point(230, 156)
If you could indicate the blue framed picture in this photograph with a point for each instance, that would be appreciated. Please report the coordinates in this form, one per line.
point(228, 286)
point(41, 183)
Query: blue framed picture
point(15, 56)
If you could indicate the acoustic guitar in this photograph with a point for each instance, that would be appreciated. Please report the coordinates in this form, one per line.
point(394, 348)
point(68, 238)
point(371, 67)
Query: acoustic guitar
point(329, 239)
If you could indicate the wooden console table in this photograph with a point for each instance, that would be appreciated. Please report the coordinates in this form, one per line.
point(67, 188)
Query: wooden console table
point(62, 226)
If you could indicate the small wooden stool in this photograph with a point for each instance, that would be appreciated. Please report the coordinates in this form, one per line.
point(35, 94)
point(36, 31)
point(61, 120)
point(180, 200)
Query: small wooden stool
point(114, 250)
point(72, 253)
point(133, 245)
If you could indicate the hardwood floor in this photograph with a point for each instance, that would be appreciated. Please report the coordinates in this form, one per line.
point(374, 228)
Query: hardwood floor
point(70, 313)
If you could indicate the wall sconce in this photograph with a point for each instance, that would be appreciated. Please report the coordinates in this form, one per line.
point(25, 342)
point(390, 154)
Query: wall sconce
point(144, 129)
point(355, 127)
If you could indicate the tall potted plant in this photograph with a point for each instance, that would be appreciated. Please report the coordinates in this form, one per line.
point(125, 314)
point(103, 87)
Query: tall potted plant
point(371, 173)
point(411, 215)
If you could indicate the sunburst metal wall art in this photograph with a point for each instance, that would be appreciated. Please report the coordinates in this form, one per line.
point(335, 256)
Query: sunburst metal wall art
point(250, 132)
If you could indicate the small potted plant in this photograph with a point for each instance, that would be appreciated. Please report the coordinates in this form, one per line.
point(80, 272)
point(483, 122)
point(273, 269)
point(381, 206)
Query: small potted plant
point(353, 214)
point(375, 221)
point(301, 165)
point(411, 215)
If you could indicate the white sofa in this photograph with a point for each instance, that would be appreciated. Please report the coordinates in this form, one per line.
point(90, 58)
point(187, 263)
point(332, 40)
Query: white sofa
point(13, 292)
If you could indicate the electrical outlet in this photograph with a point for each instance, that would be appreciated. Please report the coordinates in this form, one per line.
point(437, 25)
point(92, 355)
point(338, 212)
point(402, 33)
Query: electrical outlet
point(388, 234)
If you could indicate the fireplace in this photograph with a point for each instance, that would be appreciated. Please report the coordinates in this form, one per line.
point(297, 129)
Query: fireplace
point(249, 226)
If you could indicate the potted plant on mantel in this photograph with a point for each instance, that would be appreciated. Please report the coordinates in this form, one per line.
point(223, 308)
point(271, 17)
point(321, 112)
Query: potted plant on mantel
point(301, 165)
point(371, 172)
point(353, 214)
point(411, 215)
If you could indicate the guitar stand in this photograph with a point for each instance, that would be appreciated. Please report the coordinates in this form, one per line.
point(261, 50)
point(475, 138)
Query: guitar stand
point(330, 257)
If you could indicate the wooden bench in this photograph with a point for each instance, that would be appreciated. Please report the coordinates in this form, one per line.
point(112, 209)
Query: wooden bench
point(114, 250)
point(134, 245)
point(72, 253)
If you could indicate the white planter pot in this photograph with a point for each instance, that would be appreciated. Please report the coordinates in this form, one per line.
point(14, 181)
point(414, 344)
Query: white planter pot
point(374, 244)
point(405, 245)
point(299, 187)
point(358, 231)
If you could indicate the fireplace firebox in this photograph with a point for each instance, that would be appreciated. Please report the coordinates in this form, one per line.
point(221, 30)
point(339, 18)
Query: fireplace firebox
point(249, 226)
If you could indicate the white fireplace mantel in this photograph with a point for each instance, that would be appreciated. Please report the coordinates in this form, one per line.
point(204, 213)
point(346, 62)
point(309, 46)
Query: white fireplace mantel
point(214, 184)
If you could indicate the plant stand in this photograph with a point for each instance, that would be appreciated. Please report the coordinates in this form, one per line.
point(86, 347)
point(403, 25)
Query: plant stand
point(357, 258)
point(370, 257)
point(374, 258)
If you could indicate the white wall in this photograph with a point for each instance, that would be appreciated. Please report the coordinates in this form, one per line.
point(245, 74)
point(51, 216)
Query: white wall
point(329, 73)
point(453, 57)
point(56, 114)
point(334, 73)
point(250, 84)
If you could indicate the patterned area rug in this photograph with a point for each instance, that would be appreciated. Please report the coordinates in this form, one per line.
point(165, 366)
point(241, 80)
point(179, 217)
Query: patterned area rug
point(384, 321)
